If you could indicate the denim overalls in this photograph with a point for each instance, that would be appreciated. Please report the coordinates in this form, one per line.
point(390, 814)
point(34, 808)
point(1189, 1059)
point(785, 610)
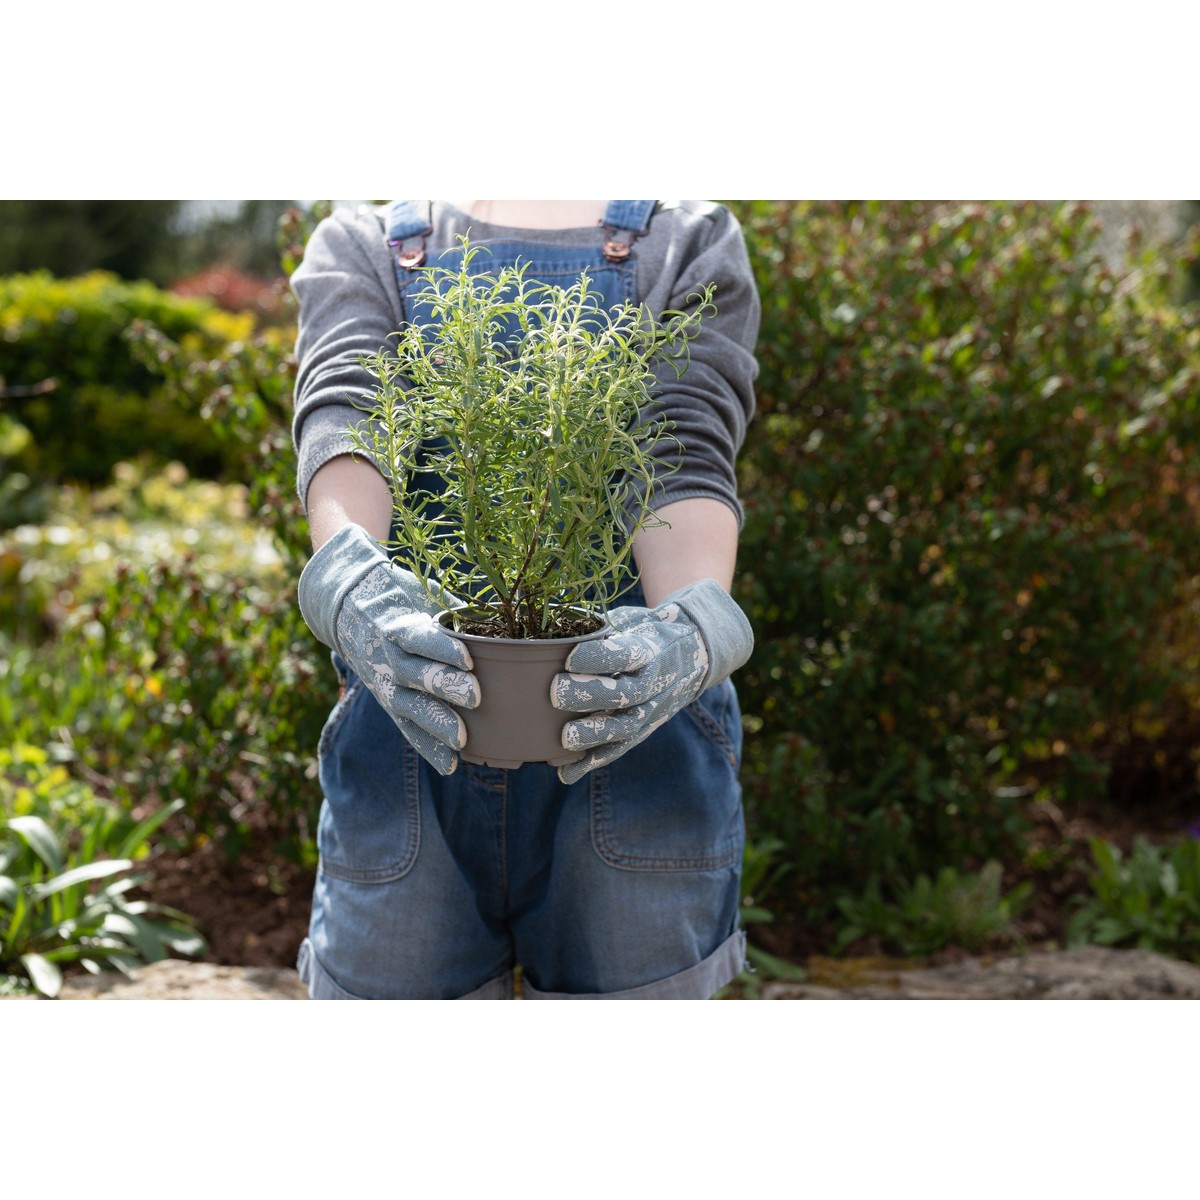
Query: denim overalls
point(624, 885)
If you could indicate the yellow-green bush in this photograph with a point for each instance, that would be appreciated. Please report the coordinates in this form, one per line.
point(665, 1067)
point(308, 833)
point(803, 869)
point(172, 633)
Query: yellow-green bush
point(103, 405)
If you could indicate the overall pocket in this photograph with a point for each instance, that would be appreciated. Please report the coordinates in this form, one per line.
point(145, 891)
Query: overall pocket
point(673, 802)
point(369, 830)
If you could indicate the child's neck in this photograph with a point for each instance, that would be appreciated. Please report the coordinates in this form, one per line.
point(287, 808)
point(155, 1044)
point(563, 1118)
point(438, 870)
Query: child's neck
point(535, 214)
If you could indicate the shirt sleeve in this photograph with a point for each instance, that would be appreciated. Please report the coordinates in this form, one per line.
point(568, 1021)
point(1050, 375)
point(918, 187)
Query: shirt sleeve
point(346, 314)
point(710, 405)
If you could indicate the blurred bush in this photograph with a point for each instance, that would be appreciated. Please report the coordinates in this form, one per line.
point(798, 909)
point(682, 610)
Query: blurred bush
point(184, 669)
point(971, 498)
point(135, 239)
point(85, 400)
point(968, 553)
point(1150, 900)
point(969, 911)
point(176, 682)
point(66, 892)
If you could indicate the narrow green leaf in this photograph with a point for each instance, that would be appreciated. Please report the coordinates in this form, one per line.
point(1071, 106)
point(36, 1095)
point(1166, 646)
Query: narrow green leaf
point(39, 837)
point(772, 967)
point(95, 870)
point(187, 943)
point(755, 916)
point(43, 974)
point(142, 831)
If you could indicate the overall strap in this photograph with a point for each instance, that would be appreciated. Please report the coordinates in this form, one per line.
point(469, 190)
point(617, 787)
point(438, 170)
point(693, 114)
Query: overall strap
point(625, 221)
point(409, 223)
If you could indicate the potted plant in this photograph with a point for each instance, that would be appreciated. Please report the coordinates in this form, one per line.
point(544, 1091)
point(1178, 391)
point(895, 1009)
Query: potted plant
point(518, 434)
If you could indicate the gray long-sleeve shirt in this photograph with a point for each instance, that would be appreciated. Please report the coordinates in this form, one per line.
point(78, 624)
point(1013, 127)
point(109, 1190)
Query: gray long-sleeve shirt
point(350, 305)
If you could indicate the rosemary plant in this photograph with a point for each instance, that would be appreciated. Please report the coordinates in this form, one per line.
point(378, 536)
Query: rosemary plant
point(518, 432)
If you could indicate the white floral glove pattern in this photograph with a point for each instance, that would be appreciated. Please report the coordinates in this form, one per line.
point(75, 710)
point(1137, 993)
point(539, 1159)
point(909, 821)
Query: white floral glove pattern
point(656, 663)
point(379, 619)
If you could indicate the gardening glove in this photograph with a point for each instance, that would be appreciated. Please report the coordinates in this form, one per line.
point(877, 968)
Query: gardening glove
point(657, 662)
point(379, 619)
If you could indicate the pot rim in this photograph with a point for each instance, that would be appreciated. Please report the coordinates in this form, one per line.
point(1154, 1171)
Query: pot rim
point(605, 628)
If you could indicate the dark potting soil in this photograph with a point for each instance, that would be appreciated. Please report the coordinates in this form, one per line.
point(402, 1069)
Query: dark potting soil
point(566, 626)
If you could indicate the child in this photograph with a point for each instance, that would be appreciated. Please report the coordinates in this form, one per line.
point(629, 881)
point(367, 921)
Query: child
point(615, 877)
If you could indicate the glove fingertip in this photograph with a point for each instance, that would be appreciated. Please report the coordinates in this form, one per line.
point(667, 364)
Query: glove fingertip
point(570, 773)
point(451, 650)
point(558, 691)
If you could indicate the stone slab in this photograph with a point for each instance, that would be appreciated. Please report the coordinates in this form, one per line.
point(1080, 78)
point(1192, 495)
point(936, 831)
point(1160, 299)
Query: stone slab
point(1092, 973)
point(174, 979)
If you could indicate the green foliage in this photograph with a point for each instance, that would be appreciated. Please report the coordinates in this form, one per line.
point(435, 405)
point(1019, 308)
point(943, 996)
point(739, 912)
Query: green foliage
point(930, 914)
point(531, 403)
point(143, 515)
point(971, 499)
point(152, 638)
point(294, 229)
point(155, 638)
point(969, 552)
point(73, 383)
point(762, 872)
point(243, 238)
point(131, 238)
point(20, 499)
point(178, 683)
point(66, 857)
point(244, 395)
point(1190, 288)
point(1150, 900)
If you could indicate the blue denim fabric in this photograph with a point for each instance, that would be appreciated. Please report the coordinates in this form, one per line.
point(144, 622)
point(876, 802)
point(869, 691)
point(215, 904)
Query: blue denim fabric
point(434, 887)
point(624, 885)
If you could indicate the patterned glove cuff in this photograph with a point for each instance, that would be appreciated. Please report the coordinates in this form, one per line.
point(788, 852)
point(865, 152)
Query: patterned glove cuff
point(329, 576)
point(722, 625)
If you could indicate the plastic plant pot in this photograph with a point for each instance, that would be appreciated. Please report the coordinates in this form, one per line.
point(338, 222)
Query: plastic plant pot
point(515, 722)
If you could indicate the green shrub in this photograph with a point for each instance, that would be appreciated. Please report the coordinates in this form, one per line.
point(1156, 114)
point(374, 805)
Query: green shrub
point(244, 394)
point(184, 675)
point(51, 915)
point(144, 514)
point(971, 500)
point(176, 682)
point(762, 873)
point(930, 914)
point(133, 238)
point(58, 838)
point(1150, 900)
point(21, 499)
point(78, 390)
point(32, 784)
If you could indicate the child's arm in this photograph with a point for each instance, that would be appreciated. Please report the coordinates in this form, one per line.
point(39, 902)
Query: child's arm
point(348, 490)
point(701, 543)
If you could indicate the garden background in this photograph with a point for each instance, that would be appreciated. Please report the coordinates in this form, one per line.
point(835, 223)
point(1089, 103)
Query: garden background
point(972, 719)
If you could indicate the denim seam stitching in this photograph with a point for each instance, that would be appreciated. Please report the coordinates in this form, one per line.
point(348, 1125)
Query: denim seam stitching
point(713, 730)
point(604, 849)
point(504, 843)
point(340, 709)
point(393, 871)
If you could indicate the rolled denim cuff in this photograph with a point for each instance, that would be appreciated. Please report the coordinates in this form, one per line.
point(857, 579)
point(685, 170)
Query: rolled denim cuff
point(723, 627)
point(330, 575)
